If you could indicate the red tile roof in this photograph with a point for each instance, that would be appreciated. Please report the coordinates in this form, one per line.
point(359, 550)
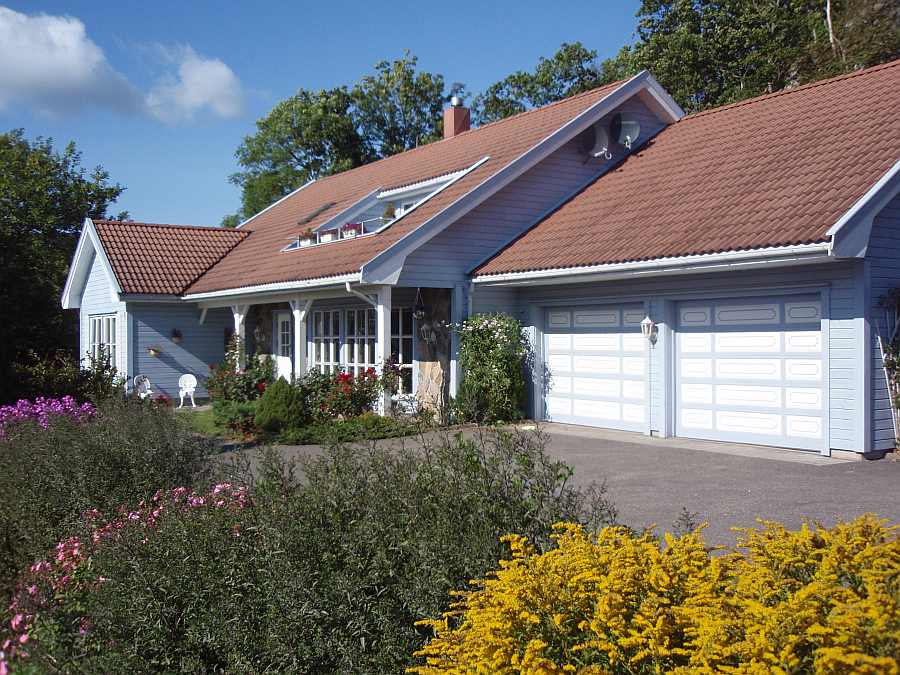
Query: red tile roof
point(258, 259)
point(162, 259)
point(771, 171)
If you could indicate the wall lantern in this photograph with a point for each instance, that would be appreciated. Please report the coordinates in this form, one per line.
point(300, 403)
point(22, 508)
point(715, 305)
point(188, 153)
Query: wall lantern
point(154, 351)
point(648, 328)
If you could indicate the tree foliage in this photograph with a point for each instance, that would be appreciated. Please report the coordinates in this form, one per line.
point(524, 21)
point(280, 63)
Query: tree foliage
point(318, 133)
point(45, 196)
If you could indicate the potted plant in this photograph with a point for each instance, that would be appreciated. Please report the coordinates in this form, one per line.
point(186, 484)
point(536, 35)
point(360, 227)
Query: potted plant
point(177, 337)
point(329, 235)
point(351, 230)
point(307, 238)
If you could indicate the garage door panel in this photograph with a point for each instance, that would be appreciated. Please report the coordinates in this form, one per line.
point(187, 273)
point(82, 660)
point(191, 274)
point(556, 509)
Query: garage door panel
point(597, 343)
point(748, 369)
point(596, 356)
point(748, 396)
point(752, 371)
point(737, 342)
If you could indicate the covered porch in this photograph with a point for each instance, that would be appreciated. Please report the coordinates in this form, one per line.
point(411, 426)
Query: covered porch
point(352, 328)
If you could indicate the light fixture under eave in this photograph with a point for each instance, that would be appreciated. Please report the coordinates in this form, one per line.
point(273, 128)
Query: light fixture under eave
point(624, 128)
point(648, 328)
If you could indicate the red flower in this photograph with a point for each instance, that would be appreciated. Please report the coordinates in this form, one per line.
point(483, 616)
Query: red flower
point(345, 377)
point(370, 371)
point(261, 386)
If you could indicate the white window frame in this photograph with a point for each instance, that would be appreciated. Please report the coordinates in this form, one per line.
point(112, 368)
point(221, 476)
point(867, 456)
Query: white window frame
point(326, 341)
point(360, 332)
point(284, 337)
point(103, 335)
point(403, 346)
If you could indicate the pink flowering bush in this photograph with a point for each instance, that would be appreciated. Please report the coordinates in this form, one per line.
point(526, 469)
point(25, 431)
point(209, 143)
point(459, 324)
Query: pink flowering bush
point(58, 458)
point(42, 411)
point(62, 584)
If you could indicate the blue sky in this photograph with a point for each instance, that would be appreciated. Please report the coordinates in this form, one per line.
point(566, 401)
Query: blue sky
point(162, 93)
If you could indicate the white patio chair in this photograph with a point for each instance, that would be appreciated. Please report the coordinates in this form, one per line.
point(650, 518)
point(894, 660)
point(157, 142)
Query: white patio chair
point(142, 387)
point(187, 384)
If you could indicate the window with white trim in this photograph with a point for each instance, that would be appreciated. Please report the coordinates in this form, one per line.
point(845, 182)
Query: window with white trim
point(360, 339)
point(284, 335)
point(327, 340)
point(402, 346)
point(103, 337)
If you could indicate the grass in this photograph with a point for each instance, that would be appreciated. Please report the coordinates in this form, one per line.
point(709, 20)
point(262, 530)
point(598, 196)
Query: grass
point(203, 422)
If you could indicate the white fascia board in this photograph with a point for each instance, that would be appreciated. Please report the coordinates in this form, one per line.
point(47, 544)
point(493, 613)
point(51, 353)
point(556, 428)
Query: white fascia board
point(667, 107)
point(708, 262)
point(246, 291)
point(850, 233)
point(348, 214)
point(387, 263)
point(274, 204)
point(88, 242)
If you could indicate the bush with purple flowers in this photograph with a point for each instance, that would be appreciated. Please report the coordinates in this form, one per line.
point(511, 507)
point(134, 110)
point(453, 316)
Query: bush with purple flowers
point(42, 411)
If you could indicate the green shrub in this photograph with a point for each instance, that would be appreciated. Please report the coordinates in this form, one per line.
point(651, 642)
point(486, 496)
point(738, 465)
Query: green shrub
point(239, 417)
point(60, 374)
point(226, 382)
point(327, 574)
point(368, 426)
point(281, 405)
point(492, 355)
point(48, 477)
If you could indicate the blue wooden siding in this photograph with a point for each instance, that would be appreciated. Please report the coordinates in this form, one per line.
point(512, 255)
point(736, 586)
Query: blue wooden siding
point(152, 325)
point(839, 280)
point(97, 298)
point(446, 259)
point(884, 274)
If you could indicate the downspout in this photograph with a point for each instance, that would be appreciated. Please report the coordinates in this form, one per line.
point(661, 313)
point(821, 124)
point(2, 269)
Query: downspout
point(358, 294)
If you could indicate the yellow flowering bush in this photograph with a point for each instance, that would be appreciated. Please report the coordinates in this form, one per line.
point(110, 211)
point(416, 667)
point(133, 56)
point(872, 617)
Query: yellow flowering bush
point(783, 601)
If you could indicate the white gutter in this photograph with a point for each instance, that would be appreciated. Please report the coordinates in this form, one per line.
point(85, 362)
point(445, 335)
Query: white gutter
point(321, 282)
point(274, 204)
point(692, 263)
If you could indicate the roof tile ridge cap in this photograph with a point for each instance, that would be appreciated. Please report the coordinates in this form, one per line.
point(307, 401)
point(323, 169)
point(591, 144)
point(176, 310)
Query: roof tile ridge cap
point(552, 104)
point(794, 90)
point(225, 253)
point(138, 223)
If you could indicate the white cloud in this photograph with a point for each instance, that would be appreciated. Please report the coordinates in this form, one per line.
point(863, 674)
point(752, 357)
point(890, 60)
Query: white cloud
point(199, 84)
point(49, 63)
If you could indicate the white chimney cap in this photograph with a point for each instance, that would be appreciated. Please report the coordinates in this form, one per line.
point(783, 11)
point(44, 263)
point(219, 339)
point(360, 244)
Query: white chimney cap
point(455, 101)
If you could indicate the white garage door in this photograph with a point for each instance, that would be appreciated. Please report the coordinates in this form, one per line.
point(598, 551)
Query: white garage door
point(597, 365)
point(752, 371)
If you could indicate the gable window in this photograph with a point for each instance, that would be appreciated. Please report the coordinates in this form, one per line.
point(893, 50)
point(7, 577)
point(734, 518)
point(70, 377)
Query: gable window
point(327, 340)
point(103, 337)
point(360, 340)
point(402, 346)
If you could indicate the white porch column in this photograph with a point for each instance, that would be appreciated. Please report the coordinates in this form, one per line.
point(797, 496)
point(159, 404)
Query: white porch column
point(383, 340)
point(240, 315)
point(300, 310)
point(458, 312)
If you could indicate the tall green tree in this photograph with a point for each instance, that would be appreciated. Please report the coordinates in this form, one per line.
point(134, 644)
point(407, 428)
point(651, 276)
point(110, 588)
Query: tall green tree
point(571, 70)
point(45, 196)
point(315, 134)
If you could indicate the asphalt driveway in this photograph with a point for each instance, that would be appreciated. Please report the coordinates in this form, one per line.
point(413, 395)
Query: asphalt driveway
point(651, 480)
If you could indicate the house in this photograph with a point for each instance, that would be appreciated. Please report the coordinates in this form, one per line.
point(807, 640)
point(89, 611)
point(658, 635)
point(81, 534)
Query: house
point(713, 276)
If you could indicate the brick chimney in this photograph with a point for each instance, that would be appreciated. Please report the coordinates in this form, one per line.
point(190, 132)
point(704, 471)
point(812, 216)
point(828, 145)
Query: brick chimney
point(456, 118)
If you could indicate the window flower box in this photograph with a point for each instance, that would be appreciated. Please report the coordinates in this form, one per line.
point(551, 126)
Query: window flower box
point(306, 238)
point(329, 235)
point(351, 230)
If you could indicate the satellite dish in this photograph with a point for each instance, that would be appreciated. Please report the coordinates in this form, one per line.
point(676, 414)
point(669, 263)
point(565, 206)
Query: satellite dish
point(624, 128)
point(594, 142)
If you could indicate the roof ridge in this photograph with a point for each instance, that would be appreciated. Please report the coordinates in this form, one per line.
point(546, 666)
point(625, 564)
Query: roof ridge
point(793, 90)
point(137, 223)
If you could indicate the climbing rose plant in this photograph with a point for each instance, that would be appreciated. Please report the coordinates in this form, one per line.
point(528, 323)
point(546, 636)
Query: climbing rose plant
point(493, 350)
point(813, 600)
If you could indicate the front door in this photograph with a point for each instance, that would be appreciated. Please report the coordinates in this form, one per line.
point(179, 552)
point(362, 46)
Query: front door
point(284, 345)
